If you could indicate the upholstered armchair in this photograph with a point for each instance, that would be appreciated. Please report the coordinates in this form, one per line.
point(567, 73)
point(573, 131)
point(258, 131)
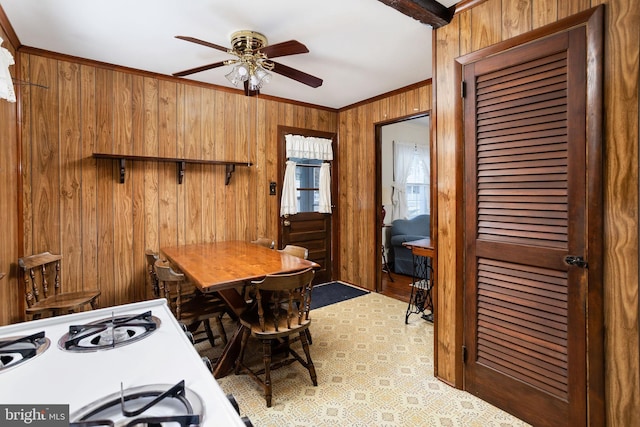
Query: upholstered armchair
point(406, 230)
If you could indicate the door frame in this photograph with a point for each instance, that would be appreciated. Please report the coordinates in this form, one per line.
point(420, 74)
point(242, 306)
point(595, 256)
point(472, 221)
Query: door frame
point(593, 20)
point(335, 205)
point(378, 186)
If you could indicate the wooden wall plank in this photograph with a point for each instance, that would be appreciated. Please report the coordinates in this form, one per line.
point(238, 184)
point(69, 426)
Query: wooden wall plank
point(138, 262)
point(621, 71)
point(486, 24)
point(70, 150)
point(544, 12)
point(447, 49)
point(571, 7)
point(516, 18)
point(221, 135)
point(45, 158)
point(150, 148)
point(26, 155)
point(89, 249)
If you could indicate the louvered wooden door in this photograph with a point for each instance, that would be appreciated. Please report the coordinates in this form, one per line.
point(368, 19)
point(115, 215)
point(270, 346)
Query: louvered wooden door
point(525, 154)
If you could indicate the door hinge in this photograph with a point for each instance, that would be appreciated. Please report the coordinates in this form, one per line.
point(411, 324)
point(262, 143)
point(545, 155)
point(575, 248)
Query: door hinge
point(463, 89)
point(464, 354)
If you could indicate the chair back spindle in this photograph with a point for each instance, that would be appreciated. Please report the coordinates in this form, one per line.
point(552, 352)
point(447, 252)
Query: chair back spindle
point(189, 305)
point(151, 257)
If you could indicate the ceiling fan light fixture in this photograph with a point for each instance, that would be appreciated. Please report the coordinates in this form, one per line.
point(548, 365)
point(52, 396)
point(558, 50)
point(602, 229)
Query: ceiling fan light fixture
point(258, 78)
point(239, 74)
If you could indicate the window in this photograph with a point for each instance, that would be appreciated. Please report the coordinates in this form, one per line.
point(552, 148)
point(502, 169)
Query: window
point(417, 187)
point(411, 189)
point(307, 184)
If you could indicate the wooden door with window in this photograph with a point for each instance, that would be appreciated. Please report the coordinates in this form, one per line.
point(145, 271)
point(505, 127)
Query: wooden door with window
point(308, 227)
point(532, 197)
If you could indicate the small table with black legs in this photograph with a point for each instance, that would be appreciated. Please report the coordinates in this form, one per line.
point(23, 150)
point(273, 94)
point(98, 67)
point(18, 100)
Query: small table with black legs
point(423, 279)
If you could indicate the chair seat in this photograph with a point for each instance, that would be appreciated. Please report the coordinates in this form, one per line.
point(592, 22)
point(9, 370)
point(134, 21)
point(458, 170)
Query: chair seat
point(199, 307)
point(250, 320)
point(68, 301)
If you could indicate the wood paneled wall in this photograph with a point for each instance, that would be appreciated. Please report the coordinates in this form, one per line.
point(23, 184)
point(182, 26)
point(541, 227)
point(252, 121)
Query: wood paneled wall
point(8, 202)
point(74, 204)
point(497, 20)
point(357, 178)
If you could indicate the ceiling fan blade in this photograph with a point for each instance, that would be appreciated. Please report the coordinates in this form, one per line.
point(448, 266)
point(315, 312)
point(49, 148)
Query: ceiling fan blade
point(198, 69)
point(202, 42)
point(292, 47)
point(298, 75)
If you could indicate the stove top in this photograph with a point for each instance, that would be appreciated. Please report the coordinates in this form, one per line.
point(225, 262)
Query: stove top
point(20, 349)
point(79, 379)
point(111, 332)
point(148, 405)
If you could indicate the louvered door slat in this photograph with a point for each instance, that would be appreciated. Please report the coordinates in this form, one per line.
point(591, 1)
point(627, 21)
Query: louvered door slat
point(504, 73)
point(507, 107)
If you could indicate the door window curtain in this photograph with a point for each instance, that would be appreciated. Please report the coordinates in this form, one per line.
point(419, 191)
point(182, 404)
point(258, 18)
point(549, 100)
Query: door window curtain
point(301, 147)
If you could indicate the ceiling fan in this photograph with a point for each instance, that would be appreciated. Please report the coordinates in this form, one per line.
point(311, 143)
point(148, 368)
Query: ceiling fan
point(252, 61)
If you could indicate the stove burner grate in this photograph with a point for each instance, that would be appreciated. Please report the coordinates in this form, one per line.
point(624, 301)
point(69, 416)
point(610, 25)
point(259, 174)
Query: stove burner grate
point(109, 333)
point(16, 350)
point(177, 405)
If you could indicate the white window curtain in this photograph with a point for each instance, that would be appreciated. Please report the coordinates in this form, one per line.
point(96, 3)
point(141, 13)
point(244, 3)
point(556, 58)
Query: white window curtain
point(288, 202)
point(6, 84)
point(325, 188)
point(301, 147)
point(403, 156)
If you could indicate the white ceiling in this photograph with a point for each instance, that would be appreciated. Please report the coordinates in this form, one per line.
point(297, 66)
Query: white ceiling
point(360, 48)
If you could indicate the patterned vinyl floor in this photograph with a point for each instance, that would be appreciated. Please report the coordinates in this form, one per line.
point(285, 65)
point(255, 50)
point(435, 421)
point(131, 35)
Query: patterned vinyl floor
point(373, 370)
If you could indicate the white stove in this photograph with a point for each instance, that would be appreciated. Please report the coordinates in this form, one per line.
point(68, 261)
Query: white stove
point(157, 359)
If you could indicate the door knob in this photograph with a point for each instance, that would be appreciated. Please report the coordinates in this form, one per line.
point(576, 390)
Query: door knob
point(286, 223)
point(576, 260)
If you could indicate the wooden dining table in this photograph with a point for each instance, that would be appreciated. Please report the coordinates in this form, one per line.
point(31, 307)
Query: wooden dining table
point(225, 267)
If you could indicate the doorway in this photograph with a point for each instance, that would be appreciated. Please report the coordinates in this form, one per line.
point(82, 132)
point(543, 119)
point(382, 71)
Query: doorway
point(404, 185)
point(313, 224)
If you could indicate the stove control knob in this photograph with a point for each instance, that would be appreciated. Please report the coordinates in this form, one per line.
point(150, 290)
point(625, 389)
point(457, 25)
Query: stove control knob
point(234, 403)
point(207, 363)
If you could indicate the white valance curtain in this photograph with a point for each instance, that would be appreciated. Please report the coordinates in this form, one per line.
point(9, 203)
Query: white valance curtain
point(6, 84)
point(308, 147)
point(301, 147)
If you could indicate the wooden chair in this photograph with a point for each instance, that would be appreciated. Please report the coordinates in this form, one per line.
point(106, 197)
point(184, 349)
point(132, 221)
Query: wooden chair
point(300, 252)
point(190, 306)
point(38, 270)
point(294, 250)
point(263, 241)
point(151, 257)
point(273, 323)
